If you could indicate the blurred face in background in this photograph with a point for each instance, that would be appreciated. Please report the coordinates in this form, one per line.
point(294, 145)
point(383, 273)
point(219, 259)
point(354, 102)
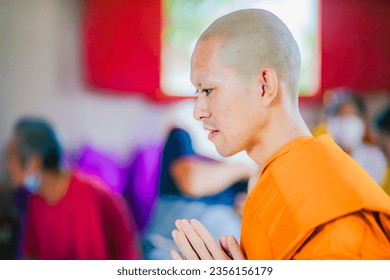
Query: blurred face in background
point(14, 165)
point(348, 109)
point(28, 174)
point(347, 127)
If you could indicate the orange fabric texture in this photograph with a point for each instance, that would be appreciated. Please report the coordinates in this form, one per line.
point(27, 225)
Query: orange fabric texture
point(386, 181)
point(313, 201)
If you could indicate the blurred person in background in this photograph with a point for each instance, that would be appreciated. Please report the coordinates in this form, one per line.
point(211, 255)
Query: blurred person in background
point(69, 215)
point(346, 123)
point(9, 224)
point(193, 186)
point(382, 124)
point(13, 210)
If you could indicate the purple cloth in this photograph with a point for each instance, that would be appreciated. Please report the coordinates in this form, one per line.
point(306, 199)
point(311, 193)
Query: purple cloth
point(137, 181)
point(142, 186)
point(102, 165)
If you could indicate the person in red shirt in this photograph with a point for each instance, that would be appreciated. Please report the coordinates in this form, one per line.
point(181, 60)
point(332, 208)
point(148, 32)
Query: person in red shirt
point(70, 215)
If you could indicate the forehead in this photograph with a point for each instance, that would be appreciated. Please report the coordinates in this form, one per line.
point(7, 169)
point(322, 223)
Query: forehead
point(206, 62)
point(348, 108)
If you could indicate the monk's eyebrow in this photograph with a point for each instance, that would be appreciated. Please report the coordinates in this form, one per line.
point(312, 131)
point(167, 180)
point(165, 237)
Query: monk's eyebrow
point(197, 85)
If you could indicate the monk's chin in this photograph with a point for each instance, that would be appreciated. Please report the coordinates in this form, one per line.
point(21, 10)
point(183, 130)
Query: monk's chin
point(225, 152)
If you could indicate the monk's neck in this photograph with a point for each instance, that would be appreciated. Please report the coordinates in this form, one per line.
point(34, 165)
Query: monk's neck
point(280, 132)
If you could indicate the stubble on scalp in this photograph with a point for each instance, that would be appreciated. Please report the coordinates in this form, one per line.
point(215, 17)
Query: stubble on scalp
point(253, 39)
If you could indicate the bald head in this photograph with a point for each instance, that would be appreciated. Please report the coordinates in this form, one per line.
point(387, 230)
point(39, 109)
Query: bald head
point(253, 39)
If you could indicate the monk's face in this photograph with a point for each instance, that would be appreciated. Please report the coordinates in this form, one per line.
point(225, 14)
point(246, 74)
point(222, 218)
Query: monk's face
point(227, 103)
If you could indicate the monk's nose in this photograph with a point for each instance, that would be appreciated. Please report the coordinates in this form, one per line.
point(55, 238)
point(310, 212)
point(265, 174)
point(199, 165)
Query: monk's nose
point(201, 109)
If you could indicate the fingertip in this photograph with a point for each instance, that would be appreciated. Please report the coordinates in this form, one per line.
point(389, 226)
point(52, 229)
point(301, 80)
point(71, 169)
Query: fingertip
point(177, 222)
point(223, 238)
point(232, 240)
point(195, 223)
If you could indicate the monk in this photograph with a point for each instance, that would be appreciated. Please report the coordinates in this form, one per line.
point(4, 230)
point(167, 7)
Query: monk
point(311, 200)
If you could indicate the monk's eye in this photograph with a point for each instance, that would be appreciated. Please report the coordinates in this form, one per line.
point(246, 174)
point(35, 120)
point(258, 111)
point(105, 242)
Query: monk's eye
point(196, 92)
point(207, 91)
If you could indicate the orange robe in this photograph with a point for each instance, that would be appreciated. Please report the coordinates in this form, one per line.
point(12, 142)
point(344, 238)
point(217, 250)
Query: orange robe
point(313, 201)
point(386, 181)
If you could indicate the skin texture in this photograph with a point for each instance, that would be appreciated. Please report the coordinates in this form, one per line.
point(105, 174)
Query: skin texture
point(245, 67)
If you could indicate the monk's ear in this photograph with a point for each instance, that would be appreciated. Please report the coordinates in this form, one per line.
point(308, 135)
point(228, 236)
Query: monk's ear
point(268, 85)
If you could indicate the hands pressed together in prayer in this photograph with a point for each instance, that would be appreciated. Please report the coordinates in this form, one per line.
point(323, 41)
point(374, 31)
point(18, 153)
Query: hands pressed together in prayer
point(196, 243)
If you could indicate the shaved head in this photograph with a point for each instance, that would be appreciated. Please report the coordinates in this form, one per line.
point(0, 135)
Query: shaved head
point(245, 68)
point(253, 39)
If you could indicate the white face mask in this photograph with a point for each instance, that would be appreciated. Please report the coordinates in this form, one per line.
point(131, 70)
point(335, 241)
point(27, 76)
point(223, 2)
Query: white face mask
point(32, 182)
point(347, 131)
